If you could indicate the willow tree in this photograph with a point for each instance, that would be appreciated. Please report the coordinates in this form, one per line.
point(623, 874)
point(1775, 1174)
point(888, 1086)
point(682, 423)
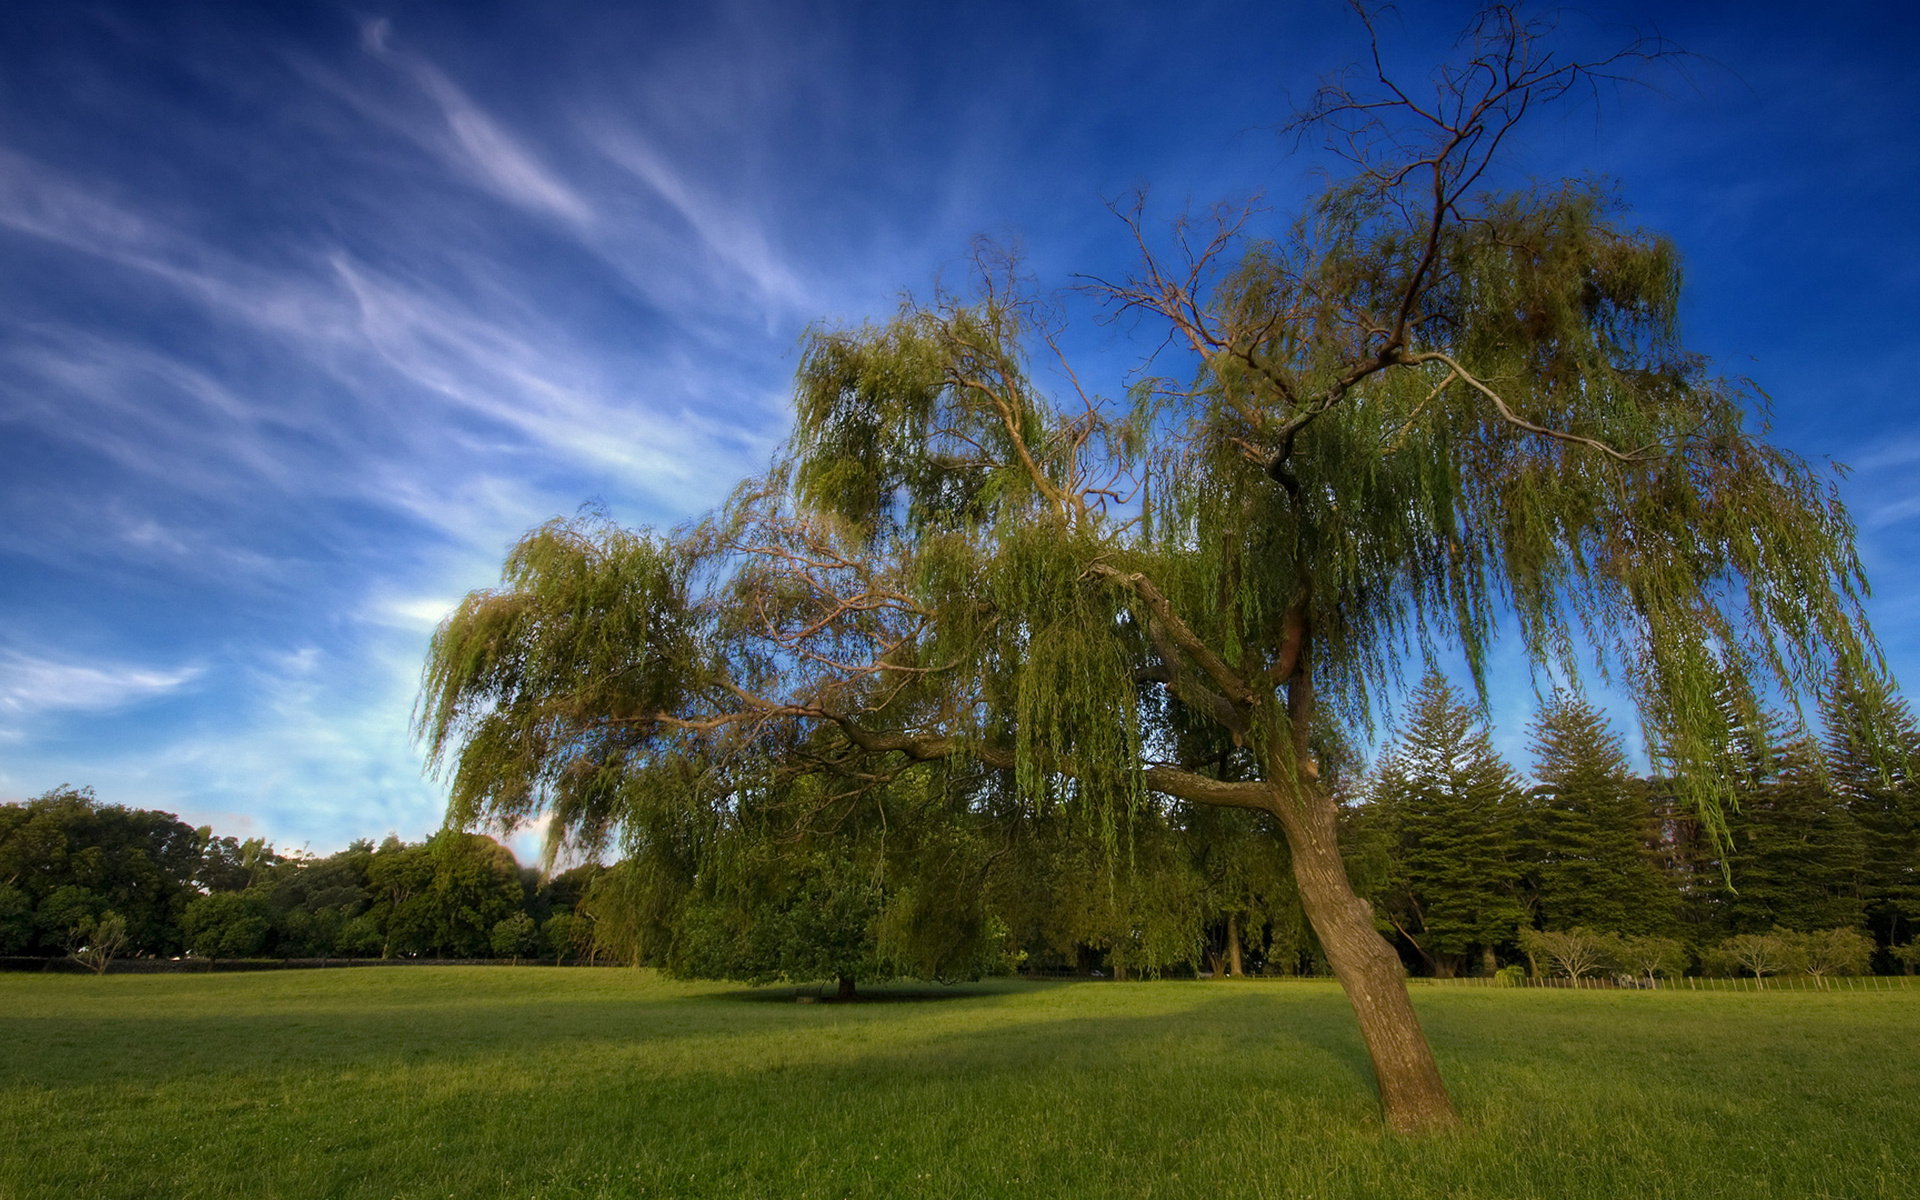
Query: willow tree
point(1430, 408)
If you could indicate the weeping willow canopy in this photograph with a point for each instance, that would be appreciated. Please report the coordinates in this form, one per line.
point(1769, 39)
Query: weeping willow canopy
point(1099, 599)
point(1429, 413)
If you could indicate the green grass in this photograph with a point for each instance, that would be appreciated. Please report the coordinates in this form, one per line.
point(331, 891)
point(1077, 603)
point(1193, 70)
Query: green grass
point(465, 1082)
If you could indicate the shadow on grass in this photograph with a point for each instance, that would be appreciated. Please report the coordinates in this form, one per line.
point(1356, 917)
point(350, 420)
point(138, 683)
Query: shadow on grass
point(878, 1034)
point(824, 993)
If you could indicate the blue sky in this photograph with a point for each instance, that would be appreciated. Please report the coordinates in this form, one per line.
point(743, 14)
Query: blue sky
point(307, 311)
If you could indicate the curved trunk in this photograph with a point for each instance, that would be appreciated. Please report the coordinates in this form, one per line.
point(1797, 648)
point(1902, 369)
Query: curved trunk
point(1411, 1092)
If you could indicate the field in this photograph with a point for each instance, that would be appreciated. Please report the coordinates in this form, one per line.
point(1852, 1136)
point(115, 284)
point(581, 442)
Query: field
point(496, 1081)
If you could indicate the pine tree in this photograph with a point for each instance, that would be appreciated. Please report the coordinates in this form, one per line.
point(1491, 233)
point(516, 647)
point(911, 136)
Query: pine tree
point(1589, 829)
point(1877, 775)
point(1444, 798)
point(1796, 856)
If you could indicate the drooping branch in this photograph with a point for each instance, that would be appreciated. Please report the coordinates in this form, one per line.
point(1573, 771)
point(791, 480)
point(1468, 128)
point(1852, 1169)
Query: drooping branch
point(1181, 634)
point(1456, 371)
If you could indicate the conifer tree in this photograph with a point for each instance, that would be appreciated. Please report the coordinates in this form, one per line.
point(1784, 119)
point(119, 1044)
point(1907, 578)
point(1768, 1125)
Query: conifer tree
point(1873, 762)
point(1795, 856)
point(1445, 800)
point(1589, 829)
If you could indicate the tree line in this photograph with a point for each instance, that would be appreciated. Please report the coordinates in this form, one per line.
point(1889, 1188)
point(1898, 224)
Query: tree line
point(97, 881)
point(1590, 868)
point(1585, 868)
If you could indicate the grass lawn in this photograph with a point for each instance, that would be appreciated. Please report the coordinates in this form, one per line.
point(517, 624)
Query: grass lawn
point(494, 1081)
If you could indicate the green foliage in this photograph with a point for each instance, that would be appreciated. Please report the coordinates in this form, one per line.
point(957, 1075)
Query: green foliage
point(554, 681)
point(72, 858)
point(566, 935)
point(227, 924)
point(1444, 801)
point(1574, 953)
point(934, 569)
point(104, 938)
point(516, 936)
point(1780, 951)
point(1760, 954)
point(1795, 855)
point(1873, 765)
point(1650, 957)
point(16, 920)
point(1835, 952)
point(1587, 829)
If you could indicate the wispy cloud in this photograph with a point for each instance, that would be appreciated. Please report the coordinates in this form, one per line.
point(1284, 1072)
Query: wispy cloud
point(30, 685)
point(731, 236)
point(474, 142)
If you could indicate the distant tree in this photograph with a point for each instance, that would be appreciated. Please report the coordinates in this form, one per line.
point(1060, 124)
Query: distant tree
point(227, 924)
point(1795, 855)
point(1575, 953)
point(1446, 801)
point(476, 884)
point(401, 904)
point(1873, 761)
point(1650, 957)
point(566, 935)
point(101, 941)
point(1139, 907)
point(138, 863)
point(1588, 829)
point(315, 900)
point(1762, 954)
point(1835, 952)
point(1247, 891)
point(769, 905)
point(1908, 954)
point(16, 919)
point(65, 918)
point(516, 937)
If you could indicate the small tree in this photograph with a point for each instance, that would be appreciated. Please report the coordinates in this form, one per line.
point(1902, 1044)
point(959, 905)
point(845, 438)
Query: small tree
point(1835, 952)
point(1575, 953)
point(16, 919)
point(1908, 955)
point(102, 939)
point(1650, 957)
point(1764, 954)
point(227, 925)
point(567, 935)
point(516, 936)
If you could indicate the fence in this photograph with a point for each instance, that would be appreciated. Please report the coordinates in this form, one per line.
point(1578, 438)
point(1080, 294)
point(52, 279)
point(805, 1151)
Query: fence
point(1691, 983)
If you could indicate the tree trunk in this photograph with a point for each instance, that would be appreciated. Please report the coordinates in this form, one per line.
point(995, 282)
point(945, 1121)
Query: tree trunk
point(1233, 946)
point(846, 991)
point(1411, 1092)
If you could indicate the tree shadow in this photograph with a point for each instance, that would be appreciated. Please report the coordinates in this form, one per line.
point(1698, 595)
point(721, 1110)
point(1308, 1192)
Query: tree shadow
point(824, 993)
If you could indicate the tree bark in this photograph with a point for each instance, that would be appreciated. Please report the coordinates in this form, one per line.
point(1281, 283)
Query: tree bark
point(1412, 1094)
point(1233, 946)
